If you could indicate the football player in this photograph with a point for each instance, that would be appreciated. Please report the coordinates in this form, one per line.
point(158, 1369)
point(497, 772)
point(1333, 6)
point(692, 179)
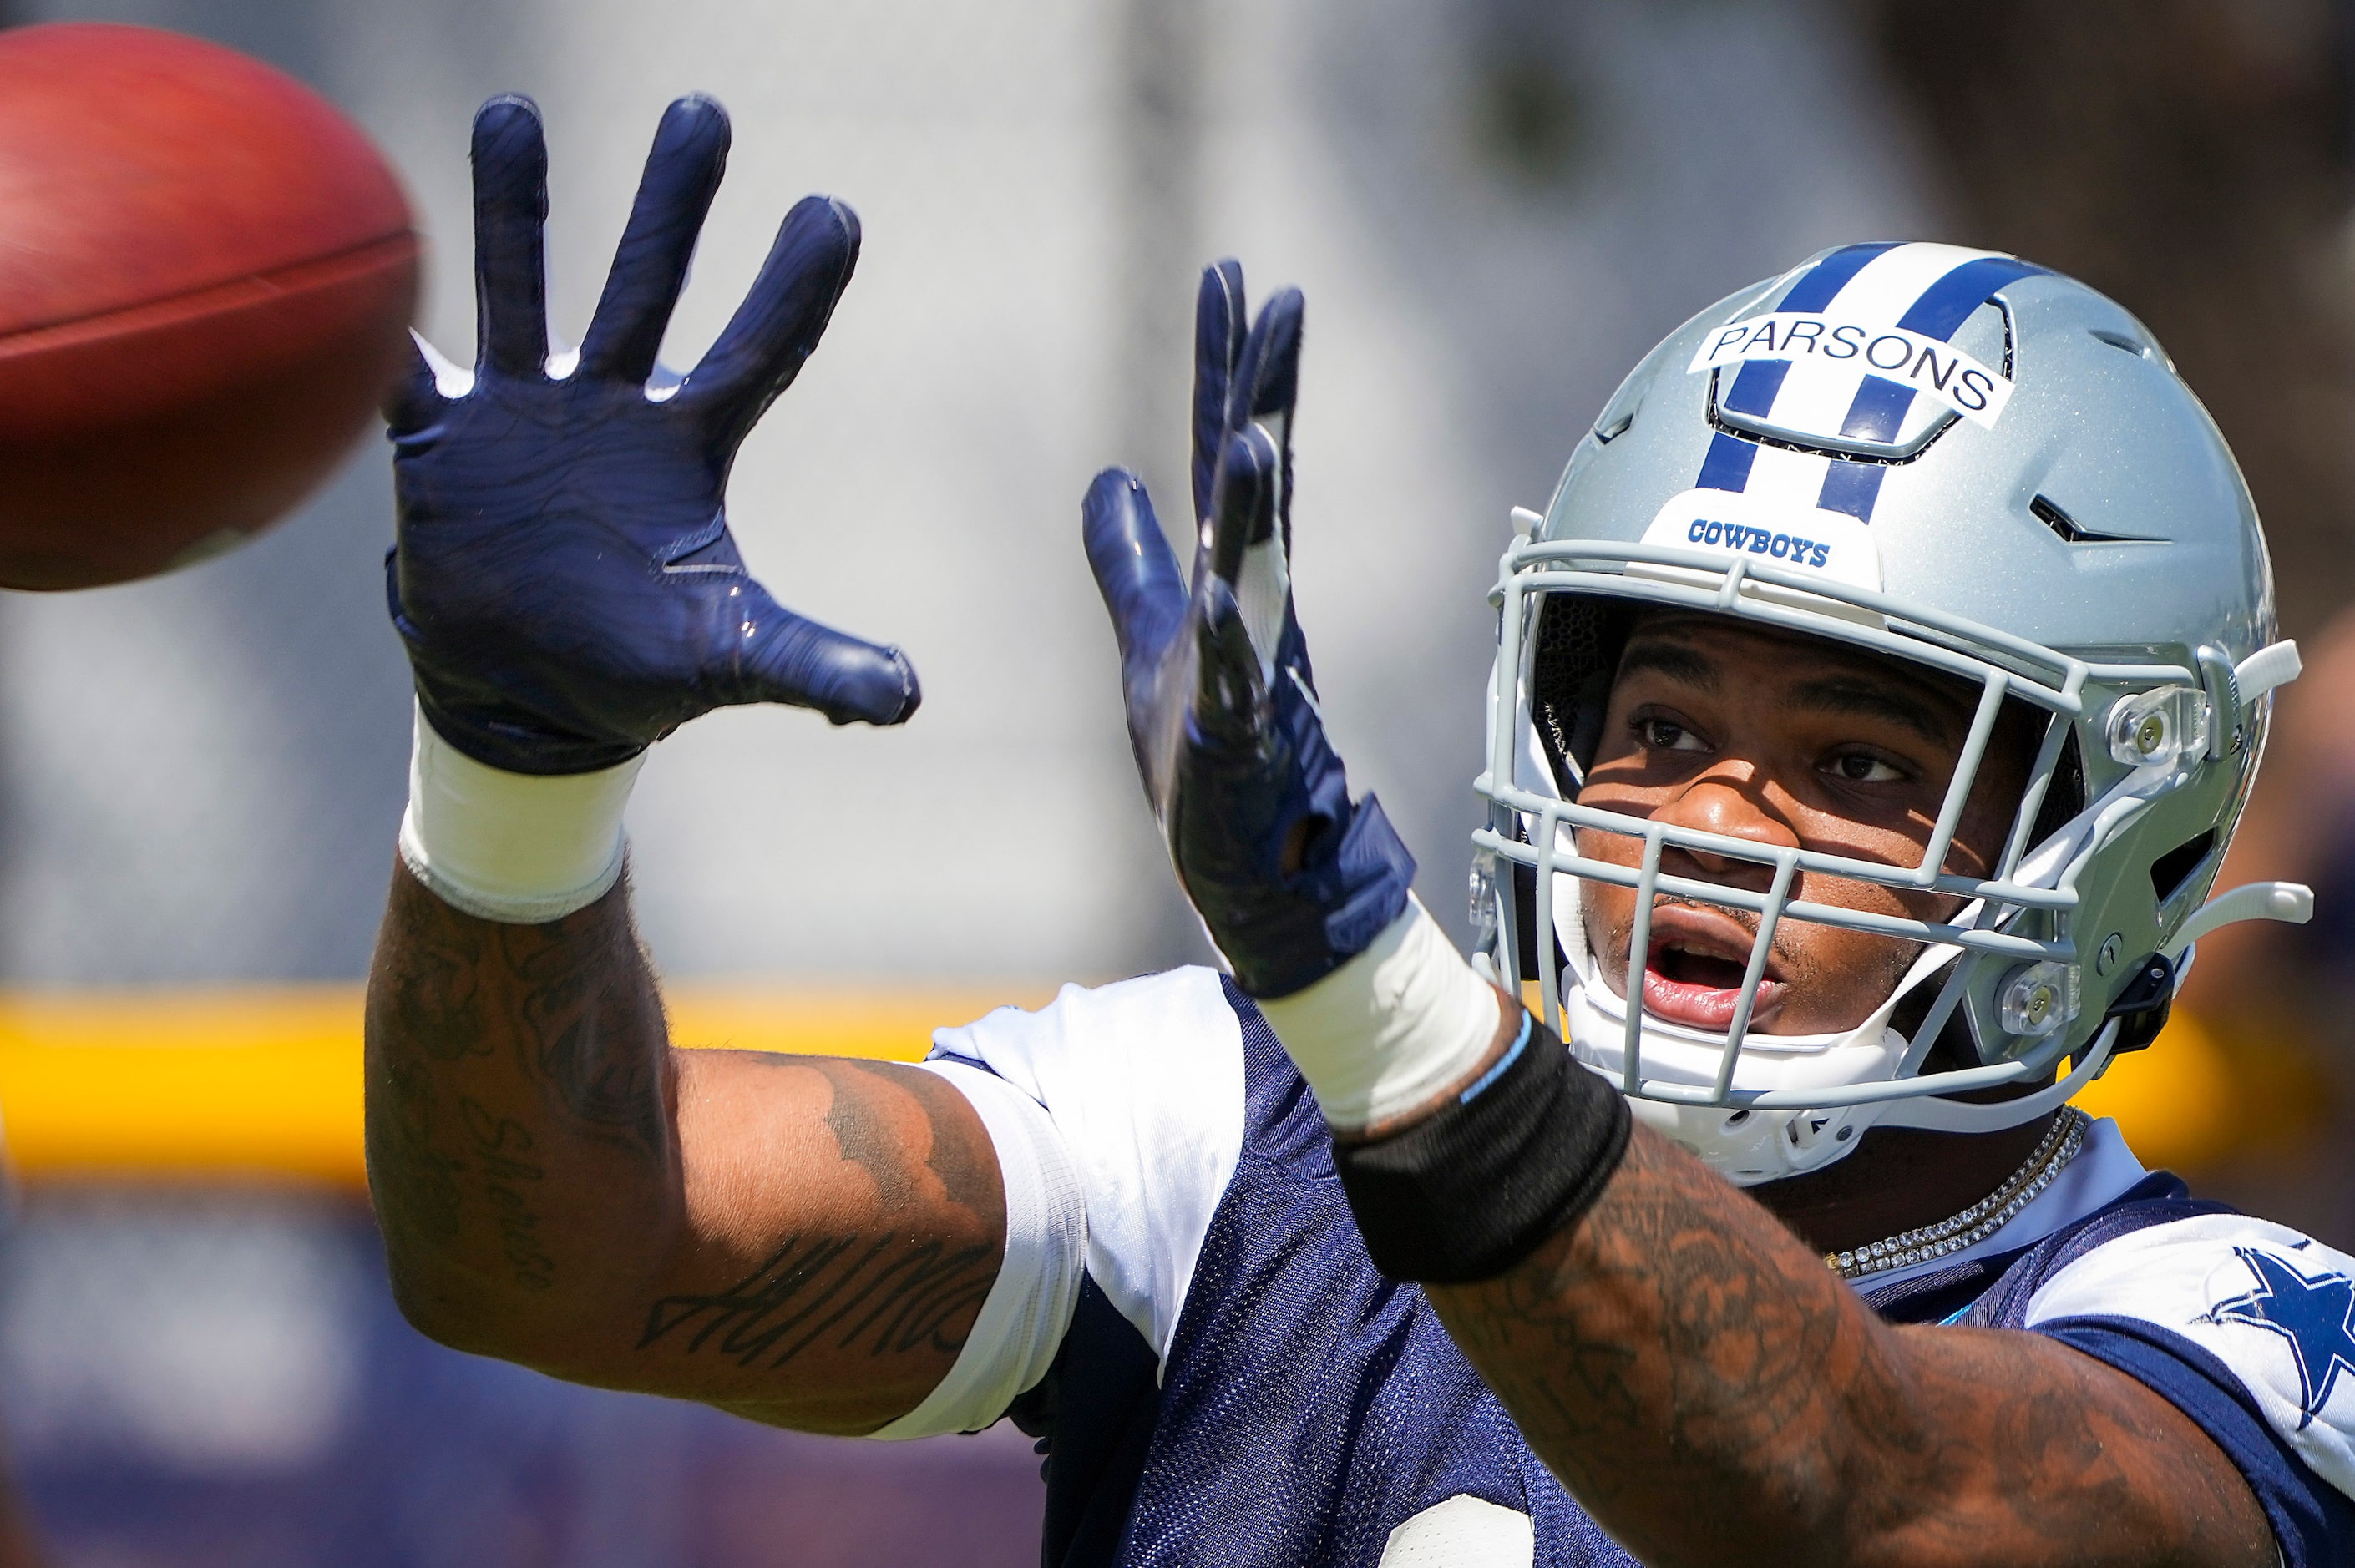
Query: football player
point(1894, 712)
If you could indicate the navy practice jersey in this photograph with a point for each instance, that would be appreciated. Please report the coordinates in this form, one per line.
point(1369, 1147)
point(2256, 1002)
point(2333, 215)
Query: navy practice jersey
point(1227, 1379)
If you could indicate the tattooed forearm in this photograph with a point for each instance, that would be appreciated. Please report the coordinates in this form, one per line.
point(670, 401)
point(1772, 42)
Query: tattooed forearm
point(1676, 1345)
point(803, 1240)
point(501, 1145)
point(586, 1038)
point(875, 1295)
point(506, 1063)
point(884, 1297)
point(434, 1000)
point(402, 1161)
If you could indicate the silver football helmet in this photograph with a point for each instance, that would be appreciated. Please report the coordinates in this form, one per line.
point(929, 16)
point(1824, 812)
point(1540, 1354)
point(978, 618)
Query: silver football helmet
point(1962, 461)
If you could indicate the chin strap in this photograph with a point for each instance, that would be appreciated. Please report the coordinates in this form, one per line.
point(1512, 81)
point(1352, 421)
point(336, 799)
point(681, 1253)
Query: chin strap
point(1959, 1116)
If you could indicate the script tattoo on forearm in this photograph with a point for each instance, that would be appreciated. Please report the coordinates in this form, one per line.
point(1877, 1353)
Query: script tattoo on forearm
point(1676, 1343)
point(891, 1294)
point(500, 1143)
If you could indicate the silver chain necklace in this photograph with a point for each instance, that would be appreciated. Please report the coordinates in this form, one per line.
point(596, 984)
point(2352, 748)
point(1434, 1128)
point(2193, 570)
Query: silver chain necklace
point(2061, 1142)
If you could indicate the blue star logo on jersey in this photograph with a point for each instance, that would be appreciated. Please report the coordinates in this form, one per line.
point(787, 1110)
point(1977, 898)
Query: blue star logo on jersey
point(2316, 1313)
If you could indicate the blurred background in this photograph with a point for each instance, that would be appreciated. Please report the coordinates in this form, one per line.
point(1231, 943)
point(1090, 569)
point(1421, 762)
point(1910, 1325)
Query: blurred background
point(1495, 206)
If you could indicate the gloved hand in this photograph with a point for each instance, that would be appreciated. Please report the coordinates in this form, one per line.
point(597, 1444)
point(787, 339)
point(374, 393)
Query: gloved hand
point(565, 580)
point(1291, 878)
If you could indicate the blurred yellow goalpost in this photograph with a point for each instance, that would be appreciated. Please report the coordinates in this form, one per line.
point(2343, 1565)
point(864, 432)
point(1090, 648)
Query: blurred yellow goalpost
point(264, 1082)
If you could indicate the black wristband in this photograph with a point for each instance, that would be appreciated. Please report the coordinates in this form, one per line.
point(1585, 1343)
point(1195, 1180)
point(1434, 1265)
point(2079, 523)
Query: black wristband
point(1473, 1188)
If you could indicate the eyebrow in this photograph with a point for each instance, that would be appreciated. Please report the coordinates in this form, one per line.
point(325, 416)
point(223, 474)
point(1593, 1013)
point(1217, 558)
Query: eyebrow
point(1664, 658)
point(1889, 698)
point(1905, 706)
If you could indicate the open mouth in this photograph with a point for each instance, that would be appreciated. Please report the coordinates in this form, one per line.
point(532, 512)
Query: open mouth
point(1691, 978)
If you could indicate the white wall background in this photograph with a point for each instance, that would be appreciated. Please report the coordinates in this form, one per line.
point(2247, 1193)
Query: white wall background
point(1494, 206)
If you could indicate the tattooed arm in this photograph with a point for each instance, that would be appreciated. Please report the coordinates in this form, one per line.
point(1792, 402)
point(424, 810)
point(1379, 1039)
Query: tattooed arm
point(1714, 1395)
point(805, 1241)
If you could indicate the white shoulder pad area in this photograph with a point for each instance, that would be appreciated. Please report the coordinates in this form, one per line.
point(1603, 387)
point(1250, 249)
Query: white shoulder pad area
point(1143, 1080)
point(2276, 1307)
point(1029, 1305)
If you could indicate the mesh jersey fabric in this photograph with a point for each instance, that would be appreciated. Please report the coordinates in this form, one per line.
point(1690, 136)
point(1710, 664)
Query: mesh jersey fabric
point(1306, 1406)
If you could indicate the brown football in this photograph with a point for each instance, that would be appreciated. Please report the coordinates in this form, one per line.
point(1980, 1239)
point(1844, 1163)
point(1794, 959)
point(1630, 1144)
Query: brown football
point(207, 274)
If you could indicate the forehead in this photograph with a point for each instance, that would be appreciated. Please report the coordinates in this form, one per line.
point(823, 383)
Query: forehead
point(1723, 653)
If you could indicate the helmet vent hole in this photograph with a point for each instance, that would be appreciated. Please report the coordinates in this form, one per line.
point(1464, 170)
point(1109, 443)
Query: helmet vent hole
point(2119, 340)
point(2067, 527)
point(2052, 517)
point(2170, 870)
point(1617, 428)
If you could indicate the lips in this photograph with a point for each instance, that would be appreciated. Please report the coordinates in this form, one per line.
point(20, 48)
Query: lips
point(1693, 969)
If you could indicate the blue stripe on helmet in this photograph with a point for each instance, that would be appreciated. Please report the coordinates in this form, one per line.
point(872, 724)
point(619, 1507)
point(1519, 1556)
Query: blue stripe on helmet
point(1727, 467)
point(1755, 386)
point(1878, 411)
point(1827, 277)
point(1852, 488)
point(1947, 303)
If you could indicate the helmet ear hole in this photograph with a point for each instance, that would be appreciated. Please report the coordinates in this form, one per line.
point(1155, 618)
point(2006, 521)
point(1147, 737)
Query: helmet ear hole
point(2173, 869)
point(1578, 645)
point(2065, 796)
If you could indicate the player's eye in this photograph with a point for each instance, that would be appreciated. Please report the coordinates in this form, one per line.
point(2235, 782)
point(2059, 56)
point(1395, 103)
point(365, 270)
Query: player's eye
point(1863, 768)
point(1666, 735)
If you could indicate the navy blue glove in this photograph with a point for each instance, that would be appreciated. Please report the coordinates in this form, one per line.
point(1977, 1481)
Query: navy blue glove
point(1291, 878)
point(565, 579)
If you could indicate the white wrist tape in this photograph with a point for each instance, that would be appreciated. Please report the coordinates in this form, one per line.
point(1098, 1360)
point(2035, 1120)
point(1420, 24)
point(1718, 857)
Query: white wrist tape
point(1393, 1029)
point(511, 847)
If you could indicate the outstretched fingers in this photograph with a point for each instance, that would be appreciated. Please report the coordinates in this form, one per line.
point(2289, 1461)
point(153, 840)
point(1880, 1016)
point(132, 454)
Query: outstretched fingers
point(1267, 376)
point(1218, 320)
point(1135, 571)
point(1247, 560)
point(781, 657)
point(779, 322)
point(510, 160)
point(1229, 708)
point(682, 174)
point(1267, 386)
point(1242, 503)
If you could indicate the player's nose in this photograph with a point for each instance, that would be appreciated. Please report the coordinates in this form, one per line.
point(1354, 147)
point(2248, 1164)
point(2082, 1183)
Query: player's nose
point(1730, 801)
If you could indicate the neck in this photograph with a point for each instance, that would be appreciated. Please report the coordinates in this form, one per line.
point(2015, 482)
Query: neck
point(1898, 1179)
